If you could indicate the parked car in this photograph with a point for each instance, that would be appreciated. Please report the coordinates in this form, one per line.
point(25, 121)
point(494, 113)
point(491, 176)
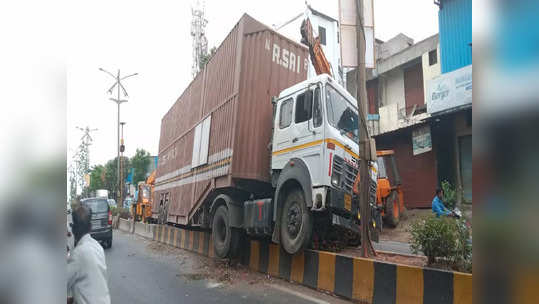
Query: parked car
point(101, 220)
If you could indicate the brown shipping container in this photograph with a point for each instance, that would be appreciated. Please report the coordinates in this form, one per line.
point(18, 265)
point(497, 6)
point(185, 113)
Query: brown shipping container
point(234, 90)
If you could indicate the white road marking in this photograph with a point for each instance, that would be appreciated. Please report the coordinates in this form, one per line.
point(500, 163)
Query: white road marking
point(298, 294)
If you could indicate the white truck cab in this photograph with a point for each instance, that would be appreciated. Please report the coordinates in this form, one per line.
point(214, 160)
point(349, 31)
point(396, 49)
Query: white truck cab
point(314, 148)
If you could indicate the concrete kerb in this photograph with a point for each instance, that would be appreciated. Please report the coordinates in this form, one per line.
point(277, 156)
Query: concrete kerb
point(365, 280)
point(141, 229)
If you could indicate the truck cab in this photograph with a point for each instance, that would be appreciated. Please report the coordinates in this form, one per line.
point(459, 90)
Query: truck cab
point(314, 158)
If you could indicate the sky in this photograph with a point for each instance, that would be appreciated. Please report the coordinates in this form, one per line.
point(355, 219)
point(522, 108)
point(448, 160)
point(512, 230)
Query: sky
point(154, 41)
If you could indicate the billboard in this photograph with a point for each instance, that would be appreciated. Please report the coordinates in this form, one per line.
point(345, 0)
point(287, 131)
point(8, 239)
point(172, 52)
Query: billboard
point(348, 32)
point(421, 140)
point(450, 90)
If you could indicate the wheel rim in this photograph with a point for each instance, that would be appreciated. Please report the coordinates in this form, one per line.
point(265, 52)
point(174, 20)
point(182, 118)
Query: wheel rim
point(294, 220)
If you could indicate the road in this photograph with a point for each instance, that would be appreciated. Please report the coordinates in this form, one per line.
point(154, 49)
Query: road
point(144, 271)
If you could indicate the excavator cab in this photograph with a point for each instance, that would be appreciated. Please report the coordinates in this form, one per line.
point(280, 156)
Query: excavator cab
point(389, 195)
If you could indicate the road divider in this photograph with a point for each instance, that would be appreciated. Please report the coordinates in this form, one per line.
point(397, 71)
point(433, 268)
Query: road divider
point(365, 280)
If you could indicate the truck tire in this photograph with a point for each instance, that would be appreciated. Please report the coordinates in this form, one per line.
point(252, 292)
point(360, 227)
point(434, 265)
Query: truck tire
point(225, 238)
point(392, 215)
point(296, 223)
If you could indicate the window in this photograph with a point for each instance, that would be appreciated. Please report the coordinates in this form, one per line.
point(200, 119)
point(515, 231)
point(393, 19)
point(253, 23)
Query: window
point(317, 109)
point(285, 114)
point(96, 205)
point(304, 106)
point(341, 115)
point(433, 57)
point(322, 35)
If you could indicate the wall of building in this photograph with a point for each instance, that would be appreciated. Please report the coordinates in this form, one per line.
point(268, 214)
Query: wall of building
point(331, 48)
point(455, 26)
point(430, 71)
point(393, 46)
point(418, 172)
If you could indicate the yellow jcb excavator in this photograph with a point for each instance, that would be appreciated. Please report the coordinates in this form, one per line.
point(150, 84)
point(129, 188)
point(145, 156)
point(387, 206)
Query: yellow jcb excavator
point(143, 209)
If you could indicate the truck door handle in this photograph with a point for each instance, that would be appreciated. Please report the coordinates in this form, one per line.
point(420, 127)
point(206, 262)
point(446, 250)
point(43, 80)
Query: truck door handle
point(294, 139)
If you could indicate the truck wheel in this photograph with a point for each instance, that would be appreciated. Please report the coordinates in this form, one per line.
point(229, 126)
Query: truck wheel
point(296, 223)
point(392, 209)
point(225, 238)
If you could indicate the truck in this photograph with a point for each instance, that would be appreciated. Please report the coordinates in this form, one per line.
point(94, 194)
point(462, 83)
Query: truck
point(142, 209)
point(253, 146)
point(389, 195)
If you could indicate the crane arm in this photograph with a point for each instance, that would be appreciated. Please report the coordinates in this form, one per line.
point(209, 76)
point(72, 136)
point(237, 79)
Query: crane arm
point(318, 58)
point(151, 178)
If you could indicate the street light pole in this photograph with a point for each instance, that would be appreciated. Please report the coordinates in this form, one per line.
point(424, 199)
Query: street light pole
point(118, 101)
point(122, 149)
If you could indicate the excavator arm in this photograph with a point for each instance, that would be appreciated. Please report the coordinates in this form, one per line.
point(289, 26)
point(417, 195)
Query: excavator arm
point(318, 58)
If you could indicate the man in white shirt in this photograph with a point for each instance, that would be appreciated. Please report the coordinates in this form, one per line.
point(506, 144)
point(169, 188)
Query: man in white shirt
point(86, 267)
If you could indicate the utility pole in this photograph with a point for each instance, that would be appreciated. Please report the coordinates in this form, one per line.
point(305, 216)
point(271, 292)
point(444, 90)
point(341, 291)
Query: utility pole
point(122, 149)
point(367, 249)
point(118, 101)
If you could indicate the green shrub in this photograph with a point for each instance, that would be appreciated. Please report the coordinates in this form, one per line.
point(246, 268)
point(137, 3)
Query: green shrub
point(450, 195)
point(443, 240)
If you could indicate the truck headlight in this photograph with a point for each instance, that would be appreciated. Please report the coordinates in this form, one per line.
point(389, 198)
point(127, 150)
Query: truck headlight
point(335, 179)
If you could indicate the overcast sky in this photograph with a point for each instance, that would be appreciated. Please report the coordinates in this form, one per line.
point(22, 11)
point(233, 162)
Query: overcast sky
point(153, 39)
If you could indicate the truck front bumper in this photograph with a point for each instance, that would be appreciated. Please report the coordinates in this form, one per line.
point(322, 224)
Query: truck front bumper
point(342, 203)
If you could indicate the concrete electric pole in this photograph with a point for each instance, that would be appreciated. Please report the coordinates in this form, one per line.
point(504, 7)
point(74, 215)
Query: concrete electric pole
point(364, 139)
point(118, 101)
point(122, 149)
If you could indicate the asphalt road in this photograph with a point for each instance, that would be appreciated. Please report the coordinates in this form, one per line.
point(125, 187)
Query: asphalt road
point(143, 271)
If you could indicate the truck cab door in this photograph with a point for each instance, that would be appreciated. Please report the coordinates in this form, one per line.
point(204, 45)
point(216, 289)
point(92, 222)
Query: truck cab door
point(308, 132)
point(282, 136)
point(299, 131)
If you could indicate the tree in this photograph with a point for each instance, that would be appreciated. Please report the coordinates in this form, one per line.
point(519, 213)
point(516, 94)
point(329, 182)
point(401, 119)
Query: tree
point(140, 163)
point(205, 58)
point(97, 178)
point(111, 178)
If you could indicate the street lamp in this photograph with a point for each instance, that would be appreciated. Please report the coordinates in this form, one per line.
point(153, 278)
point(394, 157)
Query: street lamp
point(118, 84)
point(122, 149)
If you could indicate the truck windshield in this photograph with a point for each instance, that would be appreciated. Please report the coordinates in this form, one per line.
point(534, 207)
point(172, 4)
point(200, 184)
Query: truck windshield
point(341, 115)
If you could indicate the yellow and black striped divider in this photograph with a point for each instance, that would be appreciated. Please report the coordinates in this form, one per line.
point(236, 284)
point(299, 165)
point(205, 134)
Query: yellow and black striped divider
point(365, 280)
point(197, 241)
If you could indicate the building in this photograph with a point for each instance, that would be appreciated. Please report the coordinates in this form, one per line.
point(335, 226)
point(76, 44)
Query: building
point(324, 26)
point(449, 97)
point(397, 111)
point(420, 105)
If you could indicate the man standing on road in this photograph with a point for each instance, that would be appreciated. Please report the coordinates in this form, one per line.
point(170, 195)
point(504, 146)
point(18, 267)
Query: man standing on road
point(438, 206)
point(86, 267)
